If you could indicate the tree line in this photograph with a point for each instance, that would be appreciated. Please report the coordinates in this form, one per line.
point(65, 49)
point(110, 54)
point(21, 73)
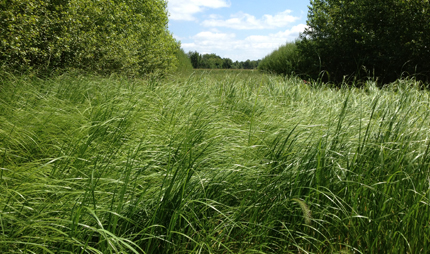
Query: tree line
point(213, 61)
point(344, 40)
point(103, 36)
point(355, 40)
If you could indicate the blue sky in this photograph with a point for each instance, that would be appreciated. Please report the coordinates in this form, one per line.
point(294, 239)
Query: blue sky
point(236, 29)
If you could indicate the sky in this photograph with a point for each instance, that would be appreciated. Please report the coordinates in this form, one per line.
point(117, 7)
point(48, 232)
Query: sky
point(236, 29)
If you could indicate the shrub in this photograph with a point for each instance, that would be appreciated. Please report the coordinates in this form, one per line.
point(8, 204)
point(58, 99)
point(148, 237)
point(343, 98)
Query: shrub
point(102, 36)
point(385, 39)
point(184, 63)
point(285, 60)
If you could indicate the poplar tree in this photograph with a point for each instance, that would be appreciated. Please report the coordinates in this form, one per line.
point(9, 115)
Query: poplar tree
point(384, 39)
point(102, 36)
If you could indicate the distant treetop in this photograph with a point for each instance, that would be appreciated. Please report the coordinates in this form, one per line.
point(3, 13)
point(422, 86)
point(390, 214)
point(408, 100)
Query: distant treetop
point(212, 61)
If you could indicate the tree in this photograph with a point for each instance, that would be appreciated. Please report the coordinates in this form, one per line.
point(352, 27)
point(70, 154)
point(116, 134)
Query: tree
point(212, 61)
point(385, 38)
point(196, 59)
point(184, 62)
point(285, 60)
point(227, 63)
point(237, 65)
point(103, 36)
point(247, 64)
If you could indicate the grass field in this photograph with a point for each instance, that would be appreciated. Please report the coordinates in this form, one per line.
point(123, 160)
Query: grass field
point(214, 162)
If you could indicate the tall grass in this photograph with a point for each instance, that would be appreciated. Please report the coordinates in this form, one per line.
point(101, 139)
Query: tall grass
point(211, 164)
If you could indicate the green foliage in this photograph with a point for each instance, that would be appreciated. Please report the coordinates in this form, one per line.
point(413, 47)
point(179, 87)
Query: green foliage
point(184, 63)
point(247, 65)
point(213, 61)
point(196, 59)
point(101, 36)
point(285, 60)
point(381, 39)
point(227, 63)
point(206, 61)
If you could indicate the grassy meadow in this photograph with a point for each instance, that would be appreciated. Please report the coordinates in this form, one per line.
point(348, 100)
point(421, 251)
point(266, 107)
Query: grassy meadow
point(212, 162)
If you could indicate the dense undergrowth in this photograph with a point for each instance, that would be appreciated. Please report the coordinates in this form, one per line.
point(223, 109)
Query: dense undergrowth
point(242, 163)
point(285, 60)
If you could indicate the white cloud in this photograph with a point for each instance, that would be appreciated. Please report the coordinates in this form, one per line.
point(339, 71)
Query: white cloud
point(246, 21)
point(215, 16)
point(213, 37)
point(185, 9)
point(208, 42)
point(252, 47)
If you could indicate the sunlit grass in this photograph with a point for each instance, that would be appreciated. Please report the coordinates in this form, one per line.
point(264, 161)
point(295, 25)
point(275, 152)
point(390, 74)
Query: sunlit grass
point(216, 162)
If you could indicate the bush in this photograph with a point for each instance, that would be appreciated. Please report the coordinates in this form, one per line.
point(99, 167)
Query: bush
point(184, 63)
point(102, 36)
point(384, 39)
point(285, 60)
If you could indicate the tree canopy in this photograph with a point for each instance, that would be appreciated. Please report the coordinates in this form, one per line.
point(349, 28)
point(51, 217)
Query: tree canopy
point(385, 39)
point(104, 36)
point(213, 61)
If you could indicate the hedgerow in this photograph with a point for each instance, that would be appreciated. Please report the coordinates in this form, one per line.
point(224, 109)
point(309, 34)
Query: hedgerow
point(103, 36)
